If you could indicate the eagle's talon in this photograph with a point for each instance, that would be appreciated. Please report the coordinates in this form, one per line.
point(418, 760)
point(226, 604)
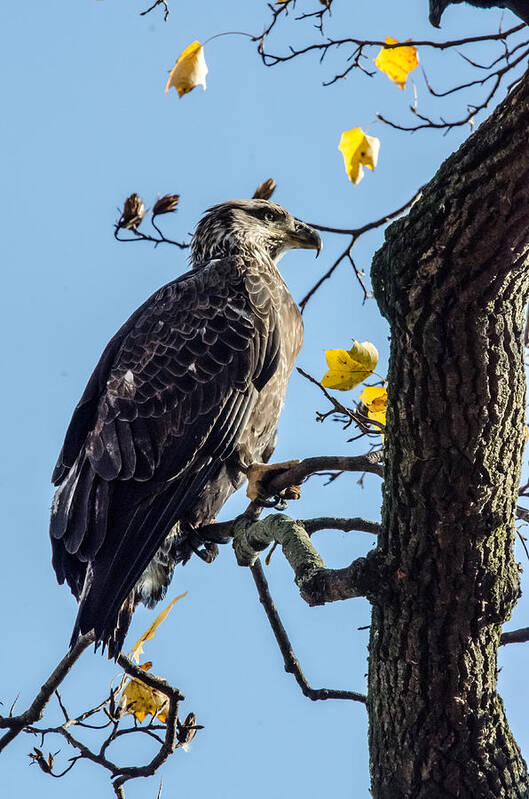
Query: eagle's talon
point(260, 474)
point(277, 503)
point(206, 550)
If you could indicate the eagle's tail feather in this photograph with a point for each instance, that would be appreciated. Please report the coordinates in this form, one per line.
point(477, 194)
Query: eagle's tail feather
point(108, 599)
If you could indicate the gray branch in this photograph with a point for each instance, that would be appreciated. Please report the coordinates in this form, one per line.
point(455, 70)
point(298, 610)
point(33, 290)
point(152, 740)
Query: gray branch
point(317, 584)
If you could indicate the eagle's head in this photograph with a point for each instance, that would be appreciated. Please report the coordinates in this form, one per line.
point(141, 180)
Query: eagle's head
point(247, 226)
point(437, 8)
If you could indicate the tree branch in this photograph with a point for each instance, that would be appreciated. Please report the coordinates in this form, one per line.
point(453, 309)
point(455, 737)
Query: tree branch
point(318, 585)
point(298, 473)
point(16, 724)
point(515, 636)
point(292, 665)
point(336, 523)
point(355, 234)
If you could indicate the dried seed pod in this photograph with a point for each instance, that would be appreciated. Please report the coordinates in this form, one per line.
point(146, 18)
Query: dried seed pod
point(187, 730)
point(133, 212)
point(265, 190)
point(38, 757)
point(166, 204)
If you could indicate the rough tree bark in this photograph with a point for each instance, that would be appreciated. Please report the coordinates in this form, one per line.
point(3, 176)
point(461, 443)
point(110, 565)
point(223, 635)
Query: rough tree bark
point(452, 280)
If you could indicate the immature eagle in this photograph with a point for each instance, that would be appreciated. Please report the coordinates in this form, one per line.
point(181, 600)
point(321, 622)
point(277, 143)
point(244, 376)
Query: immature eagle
point(518, 7)
point(185, 398)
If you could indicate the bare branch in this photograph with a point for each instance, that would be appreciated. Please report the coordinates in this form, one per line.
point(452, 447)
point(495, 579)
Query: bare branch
point(427, 122)
point(292, 665)
point(16, 724)
point(355, 234)
point(155, 5)
point(357, 58)
point(271, 59)
point(515, 636)
point(336, 523)
point(175, 733)
point(359, 231)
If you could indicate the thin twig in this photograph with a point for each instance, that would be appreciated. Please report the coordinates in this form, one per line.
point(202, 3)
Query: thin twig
point(140, 236)
point(155, 5)
point(355, 234)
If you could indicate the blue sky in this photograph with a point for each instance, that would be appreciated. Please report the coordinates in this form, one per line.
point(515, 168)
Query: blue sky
point(85, 123)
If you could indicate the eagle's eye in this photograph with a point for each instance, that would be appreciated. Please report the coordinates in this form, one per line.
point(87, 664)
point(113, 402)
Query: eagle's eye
point(269, 217)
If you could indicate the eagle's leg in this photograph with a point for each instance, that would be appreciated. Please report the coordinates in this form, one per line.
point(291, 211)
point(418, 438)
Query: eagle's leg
point(260, 474)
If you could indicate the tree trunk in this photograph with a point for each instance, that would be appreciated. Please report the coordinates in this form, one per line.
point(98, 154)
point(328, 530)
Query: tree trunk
point(452, 280)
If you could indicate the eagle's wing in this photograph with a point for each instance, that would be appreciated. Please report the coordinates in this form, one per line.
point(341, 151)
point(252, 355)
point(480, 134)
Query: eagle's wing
point(162, 411)
point(520, 8)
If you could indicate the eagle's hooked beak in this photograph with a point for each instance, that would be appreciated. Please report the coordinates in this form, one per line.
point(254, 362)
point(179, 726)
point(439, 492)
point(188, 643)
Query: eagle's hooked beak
point(436, 11)
point(305, 237)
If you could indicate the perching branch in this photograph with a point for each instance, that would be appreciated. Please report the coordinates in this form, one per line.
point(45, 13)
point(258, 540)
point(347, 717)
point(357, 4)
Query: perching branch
point(318, 585)
point(298, 473)
point(291, 662)
point(371, 462)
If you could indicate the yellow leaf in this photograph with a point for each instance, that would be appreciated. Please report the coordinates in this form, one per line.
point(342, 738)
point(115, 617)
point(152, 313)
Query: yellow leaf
point(397, 62)
point(138, 699)
point(375, 398)
point(137, 649)
point(526, 434)
point(189, 71)
point(358, 150)
point(347, 368)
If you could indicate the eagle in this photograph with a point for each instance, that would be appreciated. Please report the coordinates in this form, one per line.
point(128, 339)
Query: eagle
point(183, 402)
point(518, 7)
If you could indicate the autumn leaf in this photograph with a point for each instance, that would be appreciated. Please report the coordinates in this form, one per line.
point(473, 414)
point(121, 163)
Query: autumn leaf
point(137, 649)
point(140, 700)
point(397, 62)
point(189, 71)
point(347, 368)
point(375, 398)
point(358, 150)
